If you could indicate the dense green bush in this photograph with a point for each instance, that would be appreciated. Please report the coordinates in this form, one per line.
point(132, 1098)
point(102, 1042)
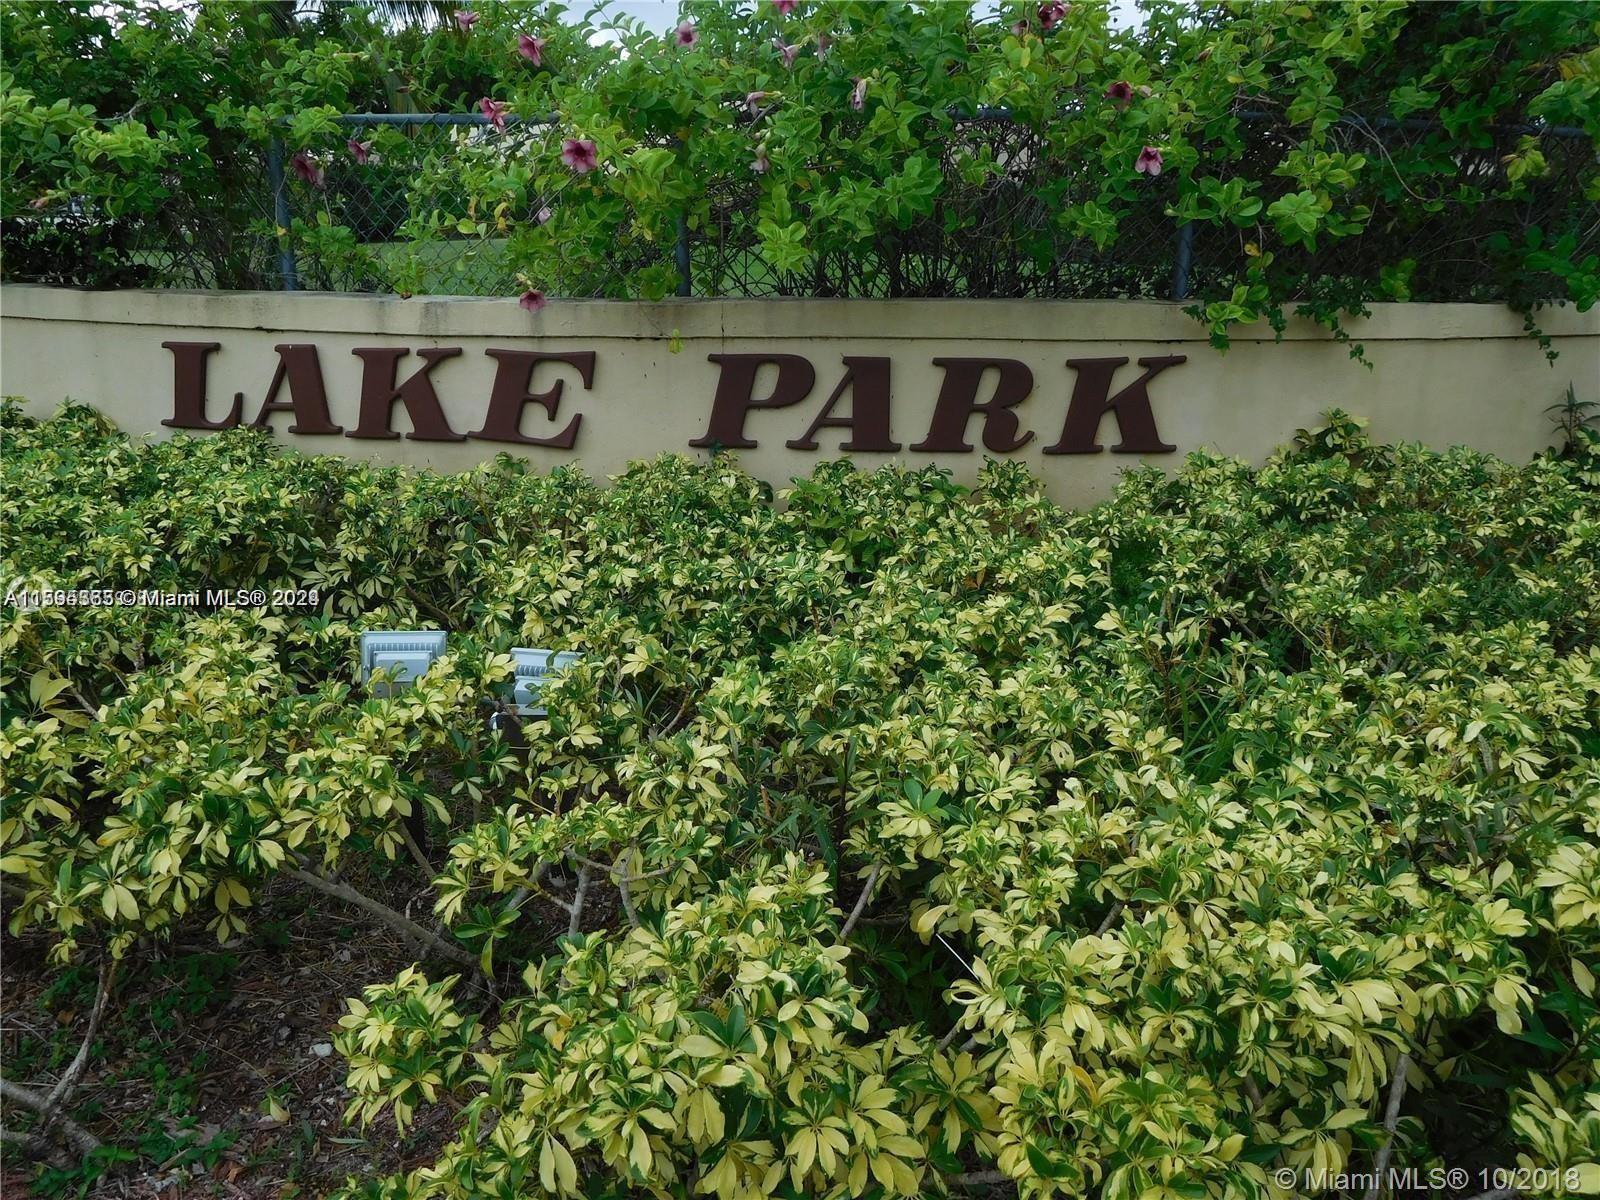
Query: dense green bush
point(1133, 852)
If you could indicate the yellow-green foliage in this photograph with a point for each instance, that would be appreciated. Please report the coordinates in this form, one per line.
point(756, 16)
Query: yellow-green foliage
point(1178, 820)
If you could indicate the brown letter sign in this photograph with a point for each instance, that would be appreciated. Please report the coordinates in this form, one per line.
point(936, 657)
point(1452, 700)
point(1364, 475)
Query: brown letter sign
point(379, 392)
point(189, 387)
point(958, 402)
point(1081, 431)
point(308, 399)
point(513, 377)
point(865, 383)
point(735, 390)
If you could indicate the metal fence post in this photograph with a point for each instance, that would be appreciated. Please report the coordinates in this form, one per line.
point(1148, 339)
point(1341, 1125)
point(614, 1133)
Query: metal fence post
point(685, 278)
point(1181, 261)
point(288, 274)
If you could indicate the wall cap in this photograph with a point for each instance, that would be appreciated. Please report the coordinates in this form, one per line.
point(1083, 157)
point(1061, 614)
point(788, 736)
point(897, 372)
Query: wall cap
point(776, 319)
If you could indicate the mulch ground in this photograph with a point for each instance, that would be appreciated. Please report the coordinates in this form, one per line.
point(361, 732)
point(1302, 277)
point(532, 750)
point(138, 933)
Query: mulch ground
point(199, 1037)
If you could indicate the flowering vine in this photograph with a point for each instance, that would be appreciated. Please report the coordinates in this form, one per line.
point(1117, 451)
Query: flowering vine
point(1255, 124)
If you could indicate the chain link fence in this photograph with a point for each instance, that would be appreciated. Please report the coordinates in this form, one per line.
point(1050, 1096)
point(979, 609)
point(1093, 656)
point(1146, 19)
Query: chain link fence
point(996, 230)
point(1446, 227)
point(400, 223)
point(190, 241)
point(406, 218)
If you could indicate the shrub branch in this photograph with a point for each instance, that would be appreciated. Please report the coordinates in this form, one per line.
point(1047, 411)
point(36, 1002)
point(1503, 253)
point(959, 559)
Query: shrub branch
point(1391, 1118)
point(395, 920)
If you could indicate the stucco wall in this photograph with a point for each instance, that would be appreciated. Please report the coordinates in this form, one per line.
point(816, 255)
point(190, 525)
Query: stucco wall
point(1443, 374)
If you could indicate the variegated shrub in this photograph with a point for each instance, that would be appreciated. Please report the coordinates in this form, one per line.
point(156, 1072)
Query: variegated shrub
point(910, 837)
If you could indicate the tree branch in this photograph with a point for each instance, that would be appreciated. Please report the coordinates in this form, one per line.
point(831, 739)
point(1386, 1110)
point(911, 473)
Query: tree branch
point(1391, 1118)
point(861, 901)
point(38, 1148)
point(52, 1117)
point(438, 614)
point(623, 885)
point(82, 703)
point(82, 1140)
point(1111, 918)
point(396, 921)
point(521, 895)
point(578, 897)
point(1254, 1093)
point(61, 1094)
point(421, 859)
point(611, 868)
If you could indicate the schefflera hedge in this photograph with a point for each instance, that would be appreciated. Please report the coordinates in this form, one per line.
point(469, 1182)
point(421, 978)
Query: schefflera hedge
point(913, 837)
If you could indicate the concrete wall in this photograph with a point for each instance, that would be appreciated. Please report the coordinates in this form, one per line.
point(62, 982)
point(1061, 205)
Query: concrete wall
point(1444, 374)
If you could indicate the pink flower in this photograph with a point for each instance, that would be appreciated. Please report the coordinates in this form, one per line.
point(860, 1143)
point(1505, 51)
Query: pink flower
point(466, 18)
point(308, 169)
point(858, 95)
point(1050, 14)
point(39, 203)
point(762, 164)
point(531, 47)
point(752, 102)
point(1020, 28)
point(579, 154)
point(686, 35)
point(784, 7)
point(543, 216)
point(823, 42)
point(788, 52)
point(532, 300)
point(1148, 162)
point(360, 151)
point(495, 111)
point(1122, 92)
